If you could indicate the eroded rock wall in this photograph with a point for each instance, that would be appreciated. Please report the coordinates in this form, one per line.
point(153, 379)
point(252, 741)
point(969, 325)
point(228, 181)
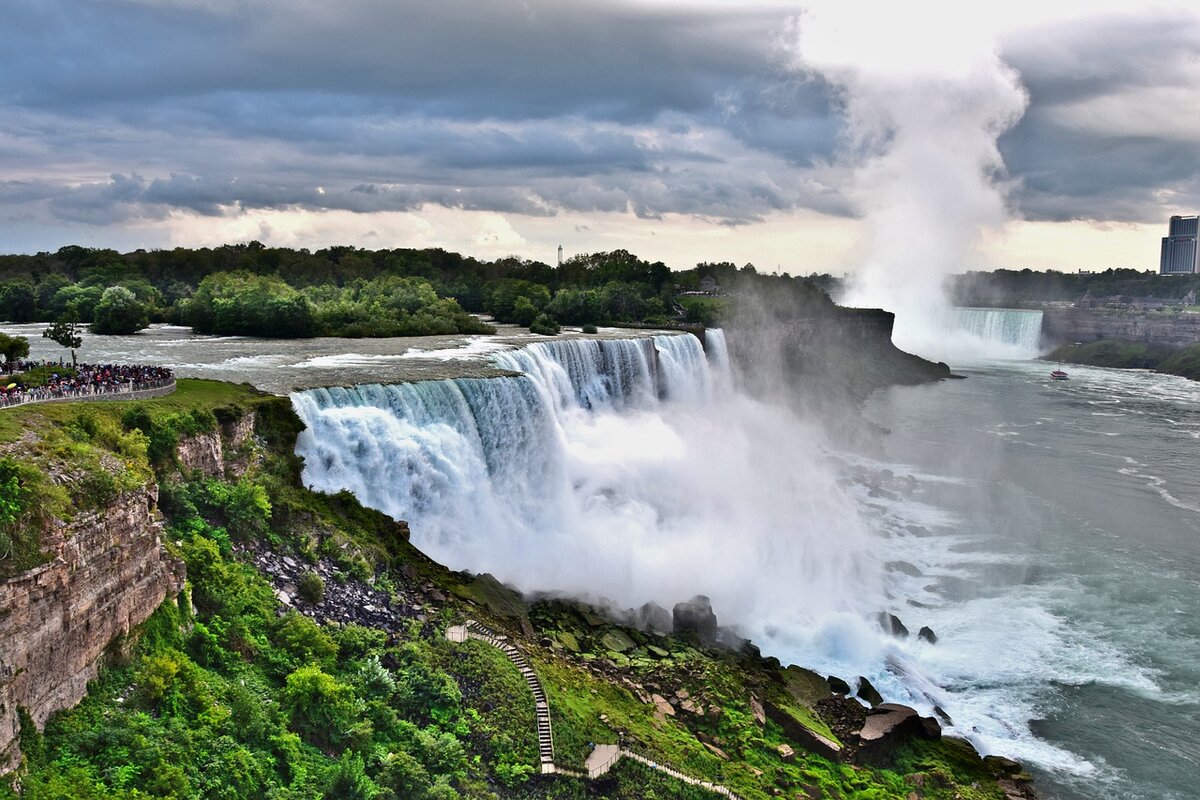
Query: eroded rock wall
point(1067, 325)
point(215, 453)
point(107, 573)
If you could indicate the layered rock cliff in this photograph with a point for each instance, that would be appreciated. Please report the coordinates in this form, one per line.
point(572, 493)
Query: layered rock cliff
point(107, 573)
point(842, 355)
point(1169, 328)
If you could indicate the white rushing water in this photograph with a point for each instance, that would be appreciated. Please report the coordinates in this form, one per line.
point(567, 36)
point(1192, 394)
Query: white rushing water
point(613, 468)
point(619, 469)
point(954, 334)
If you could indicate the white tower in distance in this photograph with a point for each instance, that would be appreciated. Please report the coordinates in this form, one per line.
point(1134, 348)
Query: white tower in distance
point(560, 255)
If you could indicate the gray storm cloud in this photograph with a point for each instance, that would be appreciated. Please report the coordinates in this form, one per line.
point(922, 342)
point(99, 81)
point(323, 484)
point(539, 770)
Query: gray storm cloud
point(536, 108)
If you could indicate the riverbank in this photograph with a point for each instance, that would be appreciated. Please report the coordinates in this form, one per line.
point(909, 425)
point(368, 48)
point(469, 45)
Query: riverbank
point(1118, 354)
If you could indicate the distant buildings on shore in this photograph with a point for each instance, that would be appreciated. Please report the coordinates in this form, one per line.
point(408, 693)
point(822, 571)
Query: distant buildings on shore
point(1180, 255)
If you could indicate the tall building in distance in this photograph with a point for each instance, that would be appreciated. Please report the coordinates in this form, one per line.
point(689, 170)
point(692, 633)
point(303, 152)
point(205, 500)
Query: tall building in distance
point(1180, 255)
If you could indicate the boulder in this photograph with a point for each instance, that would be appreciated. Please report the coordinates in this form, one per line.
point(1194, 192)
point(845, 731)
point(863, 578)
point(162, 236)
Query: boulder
point(1000, 765)
point(615, 640)
point(891, 624)
point(801, 734)
point(756, 708)
point(868, 693)
point(837, 685)
point(568, 641)
point(662, 706)
point(695, 617)
point(926, 634)
point(786, 752)
point(891, 725)
point(653, 617)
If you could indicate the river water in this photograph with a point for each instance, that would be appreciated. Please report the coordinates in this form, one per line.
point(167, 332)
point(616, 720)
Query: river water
point(1048, 532)
point(1071, 595)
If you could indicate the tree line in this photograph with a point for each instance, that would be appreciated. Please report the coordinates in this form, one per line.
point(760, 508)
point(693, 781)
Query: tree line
point(254, 290)
point(1008, 287)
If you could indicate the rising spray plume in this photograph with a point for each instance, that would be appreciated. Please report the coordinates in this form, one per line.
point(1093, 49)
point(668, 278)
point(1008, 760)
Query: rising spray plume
point(925, 97)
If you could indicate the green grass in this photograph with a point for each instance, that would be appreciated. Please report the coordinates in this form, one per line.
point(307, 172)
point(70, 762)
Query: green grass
point(1112, 353)
point(1117, 354)
point(190, 395)
point(1185, 362)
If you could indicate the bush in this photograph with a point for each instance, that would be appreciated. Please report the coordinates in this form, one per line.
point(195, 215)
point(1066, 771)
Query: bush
point(119, 312)
point(13, 348)
point(311, 588)
point(321, 708)
point(304, 640)
point(589, 328)
point(349, 780)
point(545, 325)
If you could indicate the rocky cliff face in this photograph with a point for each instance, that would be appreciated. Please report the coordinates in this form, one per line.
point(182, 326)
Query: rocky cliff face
point(1067, 325)
point(107, 573)
point(845, 354)
point(210, 453)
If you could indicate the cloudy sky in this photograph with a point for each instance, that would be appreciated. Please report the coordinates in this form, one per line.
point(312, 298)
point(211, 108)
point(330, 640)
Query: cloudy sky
point(769, 132)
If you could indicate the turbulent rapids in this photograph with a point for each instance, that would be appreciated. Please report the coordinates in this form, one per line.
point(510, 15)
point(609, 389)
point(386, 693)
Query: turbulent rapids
point(630, 470)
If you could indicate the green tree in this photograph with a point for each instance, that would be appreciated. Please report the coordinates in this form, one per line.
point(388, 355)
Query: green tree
point(119, 312)
point(65, 333)
point(545, 325)
point(13, 348)
point(16, 301)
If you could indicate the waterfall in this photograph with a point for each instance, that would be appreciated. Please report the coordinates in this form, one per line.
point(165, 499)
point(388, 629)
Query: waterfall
point(624, 469)
point(970, 334)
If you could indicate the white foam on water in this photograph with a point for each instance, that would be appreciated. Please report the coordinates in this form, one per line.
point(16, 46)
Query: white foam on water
point(475, 348)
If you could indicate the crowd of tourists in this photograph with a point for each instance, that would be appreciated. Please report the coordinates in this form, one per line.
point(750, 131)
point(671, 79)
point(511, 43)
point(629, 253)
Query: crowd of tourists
point(81, 381)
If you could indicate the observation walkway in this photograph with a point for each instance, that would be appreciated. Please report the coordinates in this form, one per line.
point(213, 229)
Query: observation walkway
point(603, 756)
point(157, 389)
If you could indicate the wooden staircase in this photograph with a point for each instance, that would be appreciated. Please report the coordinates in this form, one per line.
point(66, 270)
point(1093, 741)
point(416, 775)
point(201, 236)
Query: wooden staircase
point(545, 734)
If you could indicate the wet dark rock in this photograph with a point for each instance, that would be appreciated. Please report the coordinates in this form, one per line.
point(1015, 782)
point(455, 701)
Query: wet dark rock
point(926, 634)
point(891, 624)
point(1000, 765)
point(868, 693)
point(837, 685)
point(695, 617)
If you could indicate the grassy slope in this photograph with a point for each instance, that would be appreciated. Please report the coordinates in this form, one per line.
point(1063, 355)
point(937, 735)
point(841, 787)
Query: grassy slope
point(1184, 362)
point(206, 706)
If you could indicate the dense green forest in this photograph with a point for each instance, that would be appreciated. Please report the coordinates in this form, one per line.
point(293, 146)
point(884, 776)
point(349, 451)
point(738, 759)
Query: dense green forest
point(1009, 288)
point(250, 289)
